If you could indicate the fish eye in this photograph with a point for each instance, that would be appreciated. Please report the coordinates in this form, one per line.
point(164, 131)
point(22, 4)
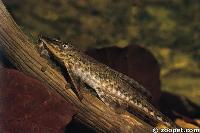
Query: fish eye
point(65, 46)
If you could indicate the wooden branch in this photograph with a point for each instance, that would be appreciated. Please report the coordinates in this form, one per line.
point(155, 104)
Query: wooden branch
point(91, 111)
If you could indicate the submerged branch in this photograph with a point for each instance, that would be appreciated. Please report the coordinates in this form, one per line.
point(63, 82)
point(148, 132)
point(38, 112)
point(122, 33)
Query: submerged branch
point(91, 111)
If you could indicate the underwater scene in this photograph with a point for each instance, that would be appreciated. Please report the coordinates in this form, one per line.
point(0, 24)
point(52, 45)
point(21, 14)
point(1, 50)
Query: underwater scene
point(99, 66)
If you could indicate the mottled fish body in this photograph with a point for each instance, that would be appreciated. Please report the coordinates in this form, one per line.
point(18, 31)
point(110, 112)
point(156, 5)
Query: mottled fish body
point(114, 89)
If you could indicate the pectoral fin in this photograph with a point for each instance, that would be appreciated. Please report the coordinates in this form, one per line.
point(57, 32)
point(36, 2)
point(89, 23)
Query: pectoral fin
point(78, 85)
point(114, 103)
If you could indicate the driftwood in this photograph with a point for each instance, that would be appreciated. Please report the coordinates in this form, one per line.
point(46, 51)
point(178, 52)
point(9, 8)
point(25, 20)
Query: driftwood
point(91, 111)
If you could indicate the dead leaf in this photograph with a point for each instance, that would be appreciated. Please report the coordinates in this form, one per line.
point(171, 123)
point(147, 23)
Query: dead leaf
point(28, 106)
point(134, 61)
point(184, 124)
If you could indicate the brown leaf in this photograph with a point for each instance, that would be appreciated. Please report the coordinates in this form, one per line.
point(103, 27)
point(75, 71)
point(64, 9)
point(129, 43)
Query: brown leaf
point(197, 122)
point(134, 61)
point(28, 106)
point(185, 124)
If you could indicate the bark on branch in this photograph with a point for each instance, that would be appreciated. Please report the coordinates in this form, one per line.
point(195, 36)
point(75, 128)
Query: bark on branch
point(91, 111)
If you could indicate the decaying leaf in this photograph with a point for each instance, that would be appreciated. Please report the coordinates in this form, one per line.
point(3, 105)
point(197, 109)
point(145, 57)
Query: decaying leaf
point(185, 124)
point(134, 61)
point(28, 106)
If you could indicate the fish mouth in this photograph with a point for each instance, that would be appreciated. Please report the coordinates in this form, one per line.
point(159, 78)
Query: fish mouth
point(50, 44)
point(52, 48)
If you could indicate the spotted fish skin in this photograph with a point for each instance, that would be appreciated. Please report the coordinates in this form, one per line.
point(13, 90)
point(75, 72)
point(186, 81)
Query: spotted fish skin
point(111, 87)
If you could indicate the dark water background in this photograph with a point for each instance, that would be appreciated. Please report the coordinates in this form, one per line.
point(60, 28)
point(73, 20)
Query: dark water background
point(169, 29)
